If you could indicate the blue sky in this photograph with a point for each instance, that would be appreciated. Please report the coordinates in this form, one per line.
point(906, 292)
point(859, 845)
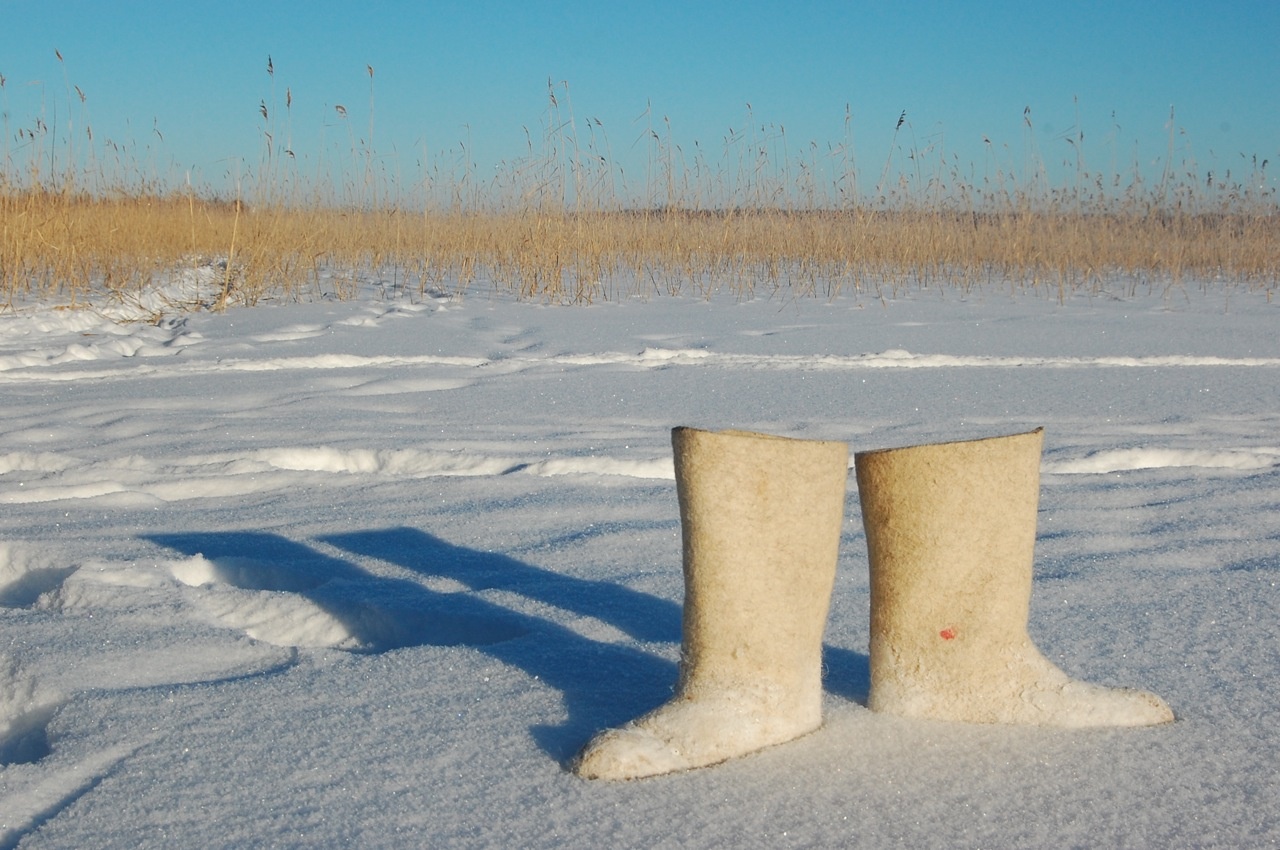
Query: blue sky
point(476, 73)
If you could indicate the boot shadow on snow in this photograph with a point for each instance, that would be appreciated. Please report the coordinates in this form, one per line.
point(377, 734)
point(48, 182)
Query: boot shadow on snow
point(603, 684)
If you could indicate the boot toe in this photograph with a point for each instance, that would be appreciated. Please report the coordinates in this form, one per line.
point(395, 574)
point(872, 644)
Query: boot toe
point(628, 752)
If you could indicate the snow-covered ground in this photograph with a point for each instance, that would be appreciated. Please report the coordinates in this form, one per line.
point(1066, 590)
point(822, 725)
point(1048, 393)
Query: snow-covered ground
point(369, 573)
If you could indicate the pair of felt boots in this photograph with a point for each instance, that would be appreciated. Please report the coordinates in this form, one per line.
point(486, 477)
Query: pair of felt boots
point(950, 532)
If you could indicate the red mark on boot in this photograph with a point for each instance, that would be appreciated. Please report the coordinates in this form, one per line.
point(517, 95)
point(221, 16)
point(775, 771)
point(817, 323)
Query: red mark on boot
point(947, 634)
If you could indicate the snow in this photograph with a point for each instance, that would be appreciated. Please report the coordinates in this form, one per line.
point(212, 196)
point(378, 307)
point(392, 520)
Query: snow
point(369, 573)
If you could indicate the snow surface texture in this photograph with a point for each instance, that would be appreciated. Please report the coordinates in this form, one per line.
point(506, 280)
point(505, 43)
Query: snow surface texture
point(370, 573)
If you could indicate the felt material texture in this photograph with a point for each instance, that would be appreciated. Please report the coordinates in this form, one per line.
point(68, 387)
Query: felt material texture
point(760, 519)
point(951, 531)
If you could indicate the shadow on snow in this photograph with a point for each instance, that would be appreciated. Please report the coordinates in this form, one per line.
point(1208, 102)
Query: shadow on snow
point(603, 684)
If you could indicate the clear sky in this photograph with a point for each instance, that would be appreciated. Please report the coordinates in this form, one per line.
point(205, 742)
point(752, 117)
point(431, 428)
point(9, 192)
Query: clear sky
point(182, 84)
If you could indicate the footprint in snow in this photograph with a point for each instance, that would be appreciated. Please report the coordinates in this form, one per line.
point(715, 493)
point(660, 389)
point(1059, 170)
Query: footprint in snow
point(286, 594)
point(25, 712)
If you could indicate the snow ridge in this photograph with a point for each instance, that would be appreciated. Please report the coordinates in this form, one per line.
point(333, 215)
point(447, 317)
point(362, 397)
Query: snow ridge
point(28, 478)
point(51, 477)
point(1123, 460)
point(29, 367)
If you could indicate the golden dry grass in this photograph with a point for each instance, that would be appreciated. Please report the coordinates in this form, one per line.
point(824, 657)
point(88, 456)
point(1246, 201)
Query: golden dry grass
point(56, 245)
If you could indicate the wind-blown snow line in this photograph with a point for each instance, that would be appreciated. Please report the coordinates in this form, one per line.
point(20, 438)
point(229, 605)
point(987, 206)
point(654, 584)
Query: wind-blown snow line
point(649, 358)
point(900, 359)
point(663, 357)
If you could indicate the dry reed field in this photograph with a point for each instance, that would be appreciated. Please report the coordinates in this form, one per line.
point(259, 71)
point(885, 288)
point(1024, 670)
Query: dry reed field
point(557, 226)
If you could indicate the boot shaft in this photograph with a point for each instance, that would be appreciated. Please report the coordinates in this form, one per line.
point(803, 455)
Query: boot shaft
point(951, 538)
point(761, 518)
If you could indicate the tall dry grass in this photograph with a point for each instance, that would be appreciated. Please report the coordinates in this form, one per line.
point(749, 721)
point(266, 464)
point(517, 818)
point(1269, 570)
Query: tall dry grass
point(562, 225)
point(59, 246)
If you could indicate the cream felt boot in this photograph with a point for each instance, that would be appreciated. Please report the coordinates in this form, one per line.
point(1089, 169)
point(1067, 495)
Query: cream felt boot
point(760, 519)
point(950, 533)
